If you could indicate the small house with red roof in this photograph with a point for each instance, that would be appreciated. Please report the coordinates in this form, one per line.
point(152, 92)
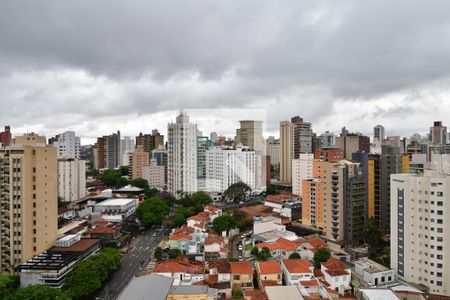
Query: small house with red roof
point(269, 273)
point(337, 274)
point(242, 274)
point(184, 271)
point(281, 248)
point(296, 270)
point(213, 211)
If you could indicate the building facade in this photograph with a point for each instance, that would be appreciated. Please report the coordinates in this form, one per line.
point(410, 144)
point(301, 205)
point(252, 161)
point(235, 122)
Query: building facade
point(138, 159)
point(182, 156)
point(29, 189)
point(302, 168)
point(420, 235)
point(71, 179)
point(67, 145)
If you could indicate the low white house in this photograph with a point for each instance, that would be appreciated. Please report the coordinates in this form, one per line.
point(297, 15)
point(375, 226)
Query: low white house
point(296, 270)
point(116, 209)
point(337, 274)
point(373, 273)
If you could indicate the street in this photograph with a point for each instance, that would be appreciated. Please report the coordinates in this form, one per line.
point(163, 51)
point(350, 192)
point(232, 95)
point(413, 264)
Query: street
point(131, 264)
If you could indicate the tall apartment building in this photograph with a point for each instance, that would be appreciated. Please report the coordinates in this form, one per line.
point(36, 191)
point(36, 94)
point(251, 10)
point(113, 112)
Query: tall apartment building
point(250, 134)
point(352, 143)
point(203, 144)
point(302, 168)
point(295, 138)
point(226, 166)
point(126, 149)
point(273, 150)
point(378, 169)
point(328, 139)
point(151, 141)
point(213, 136)
point(438, 133)
point(138, 159)
point(71, 179)
point(28, 199)
point(420, 222)
point(5, 136)
point(378, 134)
point(182, 155)
point(106, 152)
point(329, 154)
point(334, 200)
point(160, 155)
point(67, 145)
point(154, 174)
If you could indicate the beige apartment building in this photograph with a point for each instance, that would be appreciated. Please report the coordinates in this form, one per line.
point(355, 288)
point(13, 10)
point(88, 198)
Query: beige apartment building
point(28, 199)
point(139, 159)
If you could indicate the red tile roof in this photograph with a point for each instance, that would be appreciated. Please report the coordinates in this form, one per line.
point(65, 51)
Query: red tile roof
point(317, 243)
point(310, 283)
point(180, 236)
point(318, 273)
point(104, 229)
point(280, 198)
point(297, 265)
point(241, 267)
point(269, 267)
point(336, 272)
point(222, 266)
point(334, 263)
point(211, 208)
point(269, 283)
point(281, 243)
point(200, 217)
point(214, 240)
point(169, 267)
point(256, 295)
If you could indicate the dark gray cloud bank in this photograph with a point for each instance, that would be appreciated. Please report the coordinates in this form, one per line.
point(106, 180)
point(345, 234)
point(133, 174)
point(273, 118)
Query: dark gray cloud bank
point(99, 66)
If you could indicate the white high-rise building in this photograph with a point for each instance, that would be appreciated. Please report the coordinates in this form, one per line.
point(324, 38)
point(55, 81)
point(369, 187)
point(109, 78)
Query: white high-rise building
point(420, 226)
point(126, 149)
point(225, 167)
point(182, 155)
point(71, 179)
point(328, 139)
point(67, 145)
point(302, 169)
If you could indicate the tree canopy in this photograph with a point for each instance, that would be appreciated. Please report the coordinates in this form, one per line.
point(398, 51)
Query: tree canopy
point(152, 211)
point(8, 283)
point(294, 255)
point(143, 184)
point(320, 256)
point(237, 191)
point(113, 178)
point(373, 236)
point(89, 274)
point(195, 201)
point(38, 292)
point(181, 215)
point(224, 223)
point(263, 254)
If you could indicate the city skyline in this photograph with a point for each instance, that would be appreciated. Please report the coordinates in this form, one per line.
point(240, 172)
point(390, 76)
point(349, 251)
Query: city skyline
point(334, 64)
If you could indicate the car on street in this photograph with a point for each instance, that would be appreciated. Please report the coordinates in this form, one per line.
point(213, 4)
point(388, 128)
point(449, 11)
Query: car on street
point(240, 247)
point(155, 234)
point(243, 236)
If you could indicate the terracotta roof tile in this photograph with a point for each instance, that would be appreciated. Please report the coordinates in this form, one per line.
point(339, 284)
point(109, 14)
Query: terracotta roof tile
point(336, 272)
point(180, 236)
point(256, 295)
point(211, 208)
point(317, 243)
point(310, 283)
point(241, 267)
point(297, 265)
point(105, 230)
point(269, 267)
point(281, 243)
point(214, 240)
point(334, 263)
point(222, 266)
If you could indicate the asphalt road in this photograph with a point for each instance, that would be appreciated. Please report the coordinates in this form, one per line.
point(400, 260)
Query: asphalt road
point(234, 246)
point(134, 261)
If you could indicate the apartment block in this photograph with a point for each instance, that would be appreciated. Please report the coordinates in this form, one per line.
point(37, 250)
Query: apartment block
point(67, 145)
point(29, 189)
point(420, 235)
point(71, 179)
point(302, 168)
point(138, 159)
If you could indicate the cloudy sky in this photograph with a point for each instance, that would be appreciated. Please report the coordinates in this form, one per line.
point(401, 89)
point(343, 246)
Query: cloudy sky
point(98, 66)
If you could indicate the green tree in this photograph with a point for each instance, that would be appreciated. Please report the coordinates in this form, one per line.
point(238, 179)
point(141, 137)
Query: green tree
point(232, 259)
point(237, 191)
point(321, 255)
point(158, 253)
point(181, 215)
point(239, 215)
point(254, 251)
point(224, 223)
point(294, 255)
point(373, 236)
point(152, 211)
point(235, 293)
point(174, 253)
point(124, 170)
point(271, 190)
point(113, 178)
point(264, 254)
point(8, 283)
point(143, 184)
point(39, 292)
point(89, 274)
